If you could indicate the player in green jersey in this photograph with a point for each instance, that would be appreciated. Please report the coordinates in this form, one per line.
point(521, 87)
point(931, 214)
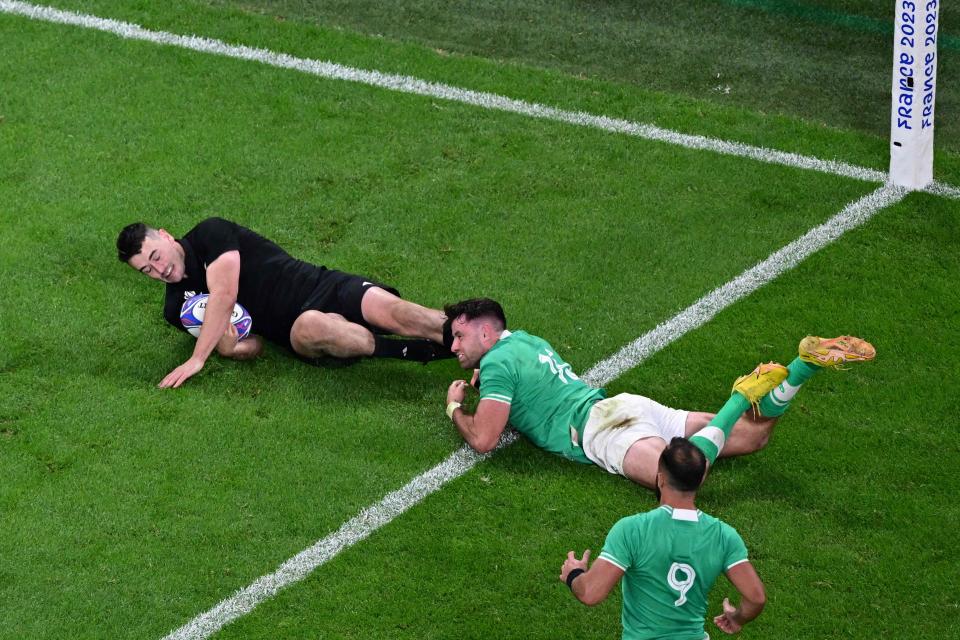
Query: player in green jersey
point(668, 559)
point(525, 383)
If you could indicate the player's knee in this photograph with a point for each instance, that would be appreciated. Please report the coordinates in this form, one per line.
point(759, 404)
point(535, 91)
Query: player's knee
point(760, 439)
point(313, 330)
point(764, 439)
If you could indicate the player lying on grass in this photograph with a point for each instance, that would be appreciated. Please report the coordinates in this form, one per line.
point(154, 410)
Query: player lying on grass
point(313, 311)
point(523, 382)
point(669, 558)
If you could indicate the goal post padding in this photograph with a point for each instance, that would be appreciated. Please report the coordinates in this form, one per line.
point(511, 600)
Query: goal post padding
point(914, 92)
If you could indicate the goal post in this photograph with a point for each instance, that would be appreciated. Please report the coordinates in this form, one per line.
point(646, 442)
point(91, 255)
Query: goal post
point(914, 92)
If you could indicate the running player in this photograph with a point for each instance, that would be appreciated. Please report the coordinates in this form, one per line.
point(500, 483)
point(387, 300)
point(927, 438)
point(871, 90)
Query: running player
point(669, 558)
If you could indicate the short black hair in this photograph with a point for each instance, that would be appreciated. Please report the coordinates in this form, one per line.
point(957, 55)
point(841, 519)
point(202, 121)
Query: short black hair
point(476, 308)
point(683, 465)
point(130, 240)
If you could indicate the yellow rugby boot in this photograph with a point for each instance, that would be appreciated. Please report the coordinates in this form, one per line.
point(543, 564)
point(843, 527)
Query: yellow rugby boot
point(759, 382)
point(833, 352)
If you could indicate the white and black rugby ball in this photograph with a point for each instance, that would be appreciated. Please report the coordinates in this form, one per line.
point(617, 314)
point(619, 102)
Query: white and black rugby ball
point(191, 316)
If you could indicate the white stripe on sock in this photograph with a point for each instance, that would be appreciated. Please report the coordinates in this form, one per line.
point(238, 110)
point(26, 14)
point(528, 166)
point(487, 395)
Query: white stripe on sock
point(783, 394)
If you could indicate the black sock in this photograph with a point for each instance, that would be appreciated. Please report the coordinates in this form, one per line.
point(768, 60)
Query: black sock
point(409, 349)
point(448, 333)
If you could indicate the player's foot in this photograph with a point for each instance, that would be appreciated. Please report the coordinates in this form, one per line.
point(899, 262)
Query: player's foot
point(759, 382)
point(437, 352)
point(833, 352)
point(424, 351)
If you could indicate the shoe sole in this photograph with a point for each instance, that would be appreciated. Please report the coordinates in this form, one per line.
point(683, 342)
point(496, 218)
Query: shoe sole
point(833, 352)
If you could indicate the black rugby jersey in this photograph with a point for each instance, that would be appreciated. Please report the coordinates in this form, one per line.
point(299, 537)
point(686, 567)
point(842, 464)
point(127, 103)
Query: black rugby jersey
point(273, 286)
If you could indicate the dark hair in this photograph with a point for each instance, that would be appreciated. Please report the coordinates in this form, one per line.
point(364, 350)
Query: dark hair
point(477, 308)
point(130, 240)
point(683, 464)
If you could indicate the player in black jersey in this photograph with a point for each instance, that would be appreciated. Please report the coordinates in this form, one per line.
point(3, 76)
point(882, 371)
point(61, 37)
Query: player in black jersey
point(311, 310)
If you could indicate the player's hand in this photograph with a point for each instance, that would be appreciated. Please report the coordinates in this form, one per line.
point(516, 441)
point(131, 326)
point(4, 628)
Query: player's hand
point(475, 380)
point(572, 563)
point(228, 341)
point(457, 391)
point(725, 621)
point(180, 375)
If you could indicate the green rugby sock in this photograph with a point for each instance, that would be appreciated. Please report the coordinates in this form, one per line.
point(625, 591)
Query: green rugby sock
point(711, 438)
point(776, 403)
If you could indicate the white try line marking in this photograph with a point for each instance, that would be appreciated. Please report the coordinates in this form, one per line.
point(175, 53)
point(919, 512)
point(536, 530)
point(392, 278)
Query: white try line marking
point(601, 374)
point(408, 84)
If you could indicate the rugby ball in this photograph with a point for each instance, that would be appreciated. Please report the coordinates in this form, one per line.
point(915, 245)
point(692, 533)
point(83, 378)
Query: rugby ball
point(191, 316)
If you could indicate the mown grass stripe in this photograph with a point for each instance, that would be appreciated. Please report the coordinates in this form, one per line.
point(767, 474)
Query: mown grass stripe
point(821, 15)
point(408, 84)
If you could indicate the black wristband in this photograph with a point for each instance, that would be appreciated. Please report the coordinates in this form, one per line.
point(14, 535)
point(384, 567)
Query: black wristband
point(573, 576)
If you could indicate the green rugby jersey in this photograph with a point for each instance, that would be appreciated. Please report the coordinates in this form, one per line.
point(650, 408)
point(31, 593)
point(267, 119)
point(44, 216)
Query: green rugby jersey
point(546, 397)
point(670, 558)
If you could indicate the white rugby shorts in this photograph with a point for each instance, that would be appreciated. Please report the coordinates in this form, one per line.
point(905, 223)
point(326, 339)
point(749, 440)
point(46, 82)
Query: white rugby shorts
point(616, 423)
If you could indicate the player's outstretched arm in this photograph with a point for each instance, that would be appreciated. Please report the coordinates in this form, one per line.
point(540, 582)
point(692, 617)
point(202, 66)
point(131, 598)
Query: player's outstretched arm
point(223, 279)
point(591, 587)
point(752, 599)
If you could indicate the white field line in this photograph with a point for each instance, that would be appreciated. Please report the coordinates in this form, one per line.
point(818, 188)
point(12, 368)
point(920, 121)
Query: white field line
point(407, 84)
point(464, 459)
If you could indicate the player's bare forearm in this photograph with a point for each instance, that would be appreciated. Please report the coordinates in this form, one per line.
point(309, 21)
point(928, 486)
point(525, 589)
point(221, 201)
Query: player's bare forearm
point(480, 430)
point(216, 321)
point(465, 424)
point(589, 586)
point(223, 279)
point(752, 599)
point(749, 610)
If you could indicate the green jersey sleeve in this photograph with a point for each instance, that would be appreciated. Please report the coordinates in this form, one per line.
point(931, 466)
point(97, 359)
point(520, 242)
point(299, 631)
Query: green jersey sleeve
point(497, 380)
point(617, 549)
point(735, 551)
